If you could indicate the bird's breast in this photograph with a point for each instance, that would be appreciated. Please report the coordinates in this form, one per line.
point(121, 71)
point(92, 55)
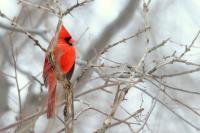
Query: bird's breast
point(64, 56)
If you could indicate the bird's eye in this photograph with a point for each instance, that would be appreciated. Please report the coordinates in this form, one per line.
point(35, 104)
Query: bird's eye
point(67, 40)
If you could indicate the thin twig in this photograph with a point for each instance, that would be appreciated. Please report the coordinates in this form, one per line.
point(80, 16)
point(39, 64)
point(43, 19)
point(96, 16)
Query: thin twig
point(16, 80)
point(25, 32)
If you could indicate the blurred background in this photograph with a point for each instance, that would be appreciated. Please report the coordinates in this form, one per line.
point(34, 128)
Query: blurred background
point(167, 105)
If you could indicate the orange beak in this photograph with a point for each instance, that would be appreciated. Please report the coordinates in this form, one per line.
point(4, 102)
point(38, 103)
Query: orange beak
point(72, 41)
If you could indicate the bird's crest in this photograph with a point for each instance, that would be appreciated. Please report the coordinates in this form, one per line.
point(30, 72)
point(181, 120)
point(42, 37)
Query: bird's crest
point(63, 32)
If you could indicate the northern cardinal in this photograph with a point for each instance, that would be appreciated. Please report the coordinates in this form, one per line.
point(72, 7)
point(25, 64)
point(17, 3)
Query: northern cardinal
point(64, 57)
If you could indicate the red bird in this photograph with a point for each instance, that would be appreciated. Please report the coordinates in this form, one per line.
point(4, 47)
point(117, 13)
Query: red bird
point(64, 56)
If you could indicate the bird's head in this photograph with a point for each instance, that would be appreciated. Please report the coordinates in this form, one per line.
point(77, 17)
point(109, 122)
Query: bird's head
point(64, 34)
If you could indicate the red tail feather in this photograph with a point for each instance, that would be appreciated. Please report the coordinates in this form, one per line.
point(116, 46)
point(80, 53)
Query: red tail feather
point(51, 94)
